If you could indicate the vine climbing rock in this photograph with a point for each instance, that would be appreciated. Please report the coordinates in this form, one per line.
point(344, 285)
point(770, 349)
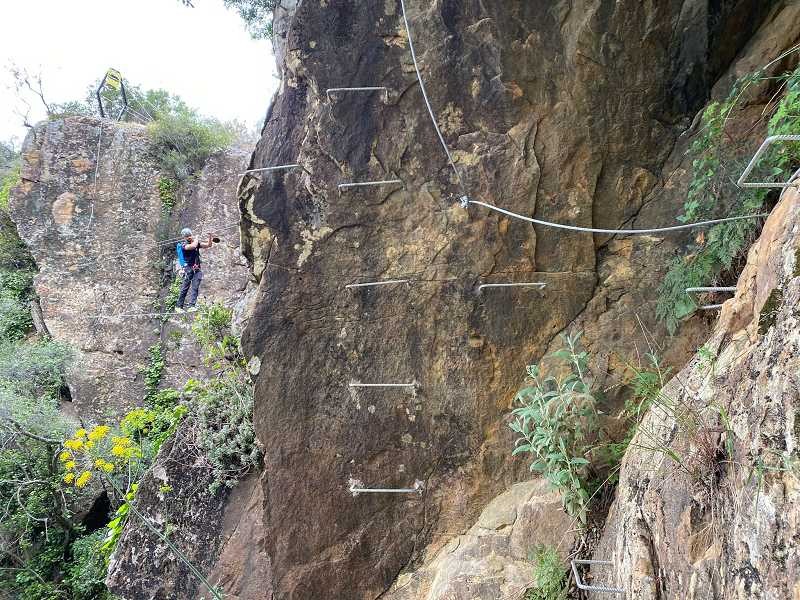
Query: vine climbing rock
point(570, 112)
point(93, 220)
point(720, 520)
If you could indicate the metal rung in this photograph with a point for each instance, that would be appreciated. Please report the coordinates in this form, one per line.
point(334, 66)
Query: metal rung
point(357, 487)
point(710, 289)
point(710, 307)
point(353, 384)
point(537, 284)
point(344, 186)
point(763, 184)
point(375, 283)
point(358, 89)
point(592, 588)
point(276, 168)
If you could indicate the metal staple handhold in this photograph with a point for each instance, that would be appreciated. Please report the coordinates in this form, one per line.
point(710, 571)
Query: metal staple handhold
point(344, 186)
point(592, 588)
point(358, 89)
point(710, 289)
point(710, 307)
point(275, 168)
point(538, 284)
point(376, 283)
point(763, 184)
point(357, 487)
point(353, 384)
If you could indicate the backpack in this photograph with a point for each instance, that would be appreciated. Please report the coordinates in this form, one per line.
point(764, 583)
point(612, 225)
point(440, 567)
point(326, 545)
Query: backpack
point(179, 253)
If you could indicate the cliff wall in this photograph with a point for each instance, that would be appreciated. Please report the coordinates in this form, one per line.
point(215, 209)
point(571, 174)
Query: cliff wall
point(567, 111)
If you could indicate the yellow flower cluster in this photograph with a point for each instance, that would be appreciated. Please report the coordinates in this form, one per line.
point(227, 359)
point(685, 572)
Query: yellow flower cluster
point(124, 448)
point(92, 450)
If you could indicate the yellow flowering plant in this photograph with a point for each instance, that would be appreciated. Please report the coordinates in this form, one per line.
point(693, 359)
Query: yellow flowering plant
point(96, 452)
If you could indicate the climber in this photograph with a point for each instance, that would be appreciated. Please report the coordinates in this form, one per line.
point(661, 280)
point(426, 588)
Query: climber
point(189, 259)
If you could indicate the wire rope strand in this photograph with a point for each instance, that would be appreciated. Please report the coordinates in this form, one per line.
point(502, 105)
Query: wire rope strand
point(614, 231)
point(427, 101)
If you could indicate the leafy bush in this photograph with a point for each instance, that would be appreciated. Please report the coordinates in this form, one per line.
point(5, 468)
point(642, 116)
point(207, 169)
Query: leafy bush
point(15, 319)
point(154, 370)
point(223, 413)
point(183, 141)
point(715, 170)
point(223, 405)
point(86, 572)
point(167, 189)
point(550, 575)
point(34, 369)
point(212, 328)
point(556, 415)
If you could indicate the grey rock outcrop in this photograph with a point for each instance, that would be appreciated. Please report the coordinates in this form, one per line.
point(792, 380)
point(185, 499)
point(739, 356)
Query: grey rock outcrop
point(93, 219)
point(720, 518)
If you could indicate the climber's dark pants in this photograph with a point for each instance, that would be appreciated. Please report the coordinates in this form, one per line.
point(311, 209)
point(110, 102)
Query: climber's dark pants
point(191, 279)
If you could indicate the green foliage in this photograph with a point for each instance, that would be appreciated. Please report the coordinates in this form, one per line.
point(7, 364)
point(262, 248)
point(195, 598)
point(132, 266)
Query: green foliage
point(223, 413)
point(223, 405)
point(713, 191)
point(167, 189)
point(645, 384)
point(550, 575)
point(171, 301)
point(36, 368)
point(183, 141)
point(556, 416)
point(257, 15)
point(8, 181)
point(154, 370)
point(86, 572)
point(117, 524)
point(16, 290)
point(211, 327)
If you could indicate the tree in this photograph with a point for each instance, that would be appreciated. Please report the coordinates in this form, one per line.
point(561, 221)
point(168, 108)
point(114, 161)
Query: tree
point(257, 15)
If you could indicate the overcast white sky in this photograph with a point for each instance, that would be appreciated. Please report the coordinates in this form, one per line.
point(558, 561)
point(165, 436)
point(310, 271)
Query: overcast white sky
point(204, 54)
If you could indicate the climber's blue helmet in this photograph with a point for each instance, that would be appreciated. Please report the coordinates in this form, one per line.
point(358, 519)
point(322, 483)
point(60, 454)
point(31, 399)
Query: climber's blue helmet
point(186, 232)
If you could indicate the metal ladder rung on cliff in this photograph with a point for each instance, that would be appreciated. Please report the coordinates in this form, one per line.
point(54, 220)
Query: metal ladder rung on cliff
point(330, 92)
point(356, 487)
point(751, 165)
point(592, 588)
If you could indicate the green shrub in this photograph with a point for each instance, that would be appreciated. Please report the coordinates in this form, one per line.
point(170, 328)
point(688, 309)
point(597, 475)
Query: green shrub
point(556, 415)
point(212, 328)
point(167, 190)
point(15, 319)
point(550, 575)
point(154, 370)
point(713, 191)
point(184, 140)
point(34, 369)
point(86, 572)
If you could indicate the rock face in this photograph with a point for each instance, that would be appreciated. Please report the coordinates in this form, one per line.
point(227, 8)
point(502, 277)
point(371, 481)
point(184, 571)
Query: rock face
point(492, 560)
point(563, 111)
point(722, 522)
point(93, 219)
